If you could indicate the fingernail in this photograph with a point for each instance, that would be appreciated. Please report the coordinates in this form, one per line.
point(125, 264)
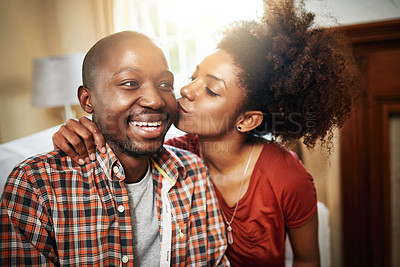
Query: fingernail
point(103, 150)
point(87, 159)
point(81, 162)
point(92, 156)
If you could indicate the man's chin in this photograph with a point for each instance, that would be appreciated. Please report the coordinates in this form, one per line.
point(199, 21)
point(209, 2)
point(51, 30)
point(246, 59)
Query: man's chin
point(136, 150)
point(138, 153)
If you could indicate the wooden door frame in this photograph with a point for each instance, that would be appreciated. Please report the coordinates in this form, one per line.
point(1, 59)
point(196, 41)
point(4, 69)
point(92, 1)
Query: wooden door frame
point(365, 168)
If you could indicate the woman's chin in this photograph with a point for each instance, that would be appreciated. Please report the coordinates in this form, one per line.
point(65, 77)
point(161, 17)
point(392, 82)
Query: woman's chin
point(180, 125)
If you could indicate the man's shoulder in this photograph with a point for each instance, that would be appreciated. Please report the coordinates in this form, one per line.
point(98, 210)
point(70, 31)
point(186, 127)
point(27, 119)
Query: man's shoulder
point(185, 156)
point(182, 159)
point(39, 171)
point(54, 157)
point(54, 160)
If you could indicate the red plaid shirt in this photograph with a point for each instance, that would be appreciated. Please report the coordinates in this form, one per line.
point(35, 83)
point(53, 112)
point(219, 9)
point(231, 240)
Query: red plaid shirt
point(55, 212)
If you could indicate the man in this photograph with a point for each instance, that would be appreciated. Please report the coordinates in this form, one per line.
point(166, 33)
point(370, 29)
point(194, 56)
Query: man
point(136, 204)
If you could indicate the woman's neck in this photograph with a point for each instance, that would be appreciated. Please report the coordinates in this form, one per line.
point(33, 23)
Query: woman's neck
point(230, 163)
point(223, 156)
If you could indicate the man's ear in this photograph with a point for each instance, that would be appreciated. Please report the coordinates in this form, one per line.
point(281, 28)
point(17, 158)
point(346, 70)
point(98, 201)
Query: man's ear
point(85, 99)
point(249, 121)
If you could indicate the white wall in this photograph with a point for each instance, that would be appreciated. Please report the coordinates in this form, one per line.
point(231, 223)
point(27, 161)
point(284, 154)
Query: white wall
point(355, 11)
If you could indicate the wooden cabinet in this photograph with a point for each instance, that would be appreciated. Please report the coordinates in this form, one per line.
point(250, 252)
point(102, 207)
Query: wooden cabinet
point(366, 179)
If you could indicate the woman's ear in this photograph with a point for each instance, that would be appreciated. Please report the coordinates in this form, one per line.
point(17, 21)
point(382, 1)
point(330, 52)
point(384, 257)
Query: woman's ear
point(249, 121)
point(85, 98)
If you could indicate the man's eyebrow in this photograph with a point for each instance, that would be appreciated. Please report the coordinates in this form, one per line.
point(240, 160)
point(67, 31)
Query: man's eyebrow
point(167, 72)
point(137, 69)
point(125, 70)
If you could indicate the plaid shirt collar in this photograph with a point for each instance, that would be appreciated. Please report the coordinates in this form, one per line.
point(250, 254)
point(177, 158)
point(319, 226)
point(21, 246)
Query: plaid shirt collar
point(164, 158)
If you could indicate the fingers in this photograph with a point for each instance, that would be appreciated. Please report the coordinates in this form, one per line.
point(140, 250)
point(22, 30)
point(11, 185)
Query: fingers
point(78, 138)
point(64, 140)
point(81, 139)
point(96, 135)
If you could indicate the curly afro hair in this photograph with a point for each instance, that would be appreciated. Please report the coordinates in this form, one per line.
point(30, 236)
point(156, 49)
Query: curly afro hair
point(303, 79)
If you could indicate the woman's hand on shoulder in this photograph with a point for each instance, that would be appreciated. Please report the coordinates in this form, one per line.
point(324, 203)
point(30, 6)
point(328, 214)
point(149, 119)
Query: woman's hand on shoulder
point(78, 138)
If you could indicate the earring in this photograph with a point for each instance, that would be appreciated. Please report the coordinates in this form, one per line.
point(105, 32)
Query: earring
point(239, 128)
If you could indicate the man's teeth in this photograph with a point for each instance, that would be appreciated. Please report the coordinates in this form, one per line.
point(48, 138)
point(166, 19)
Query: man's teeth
point(145, 123)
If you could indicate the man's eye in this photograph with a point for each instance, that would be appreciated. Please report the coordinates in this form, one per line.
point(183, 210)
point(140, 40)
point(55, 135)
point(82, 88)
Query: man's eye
point(131, 84)
point(166, 86)
point(211, 93)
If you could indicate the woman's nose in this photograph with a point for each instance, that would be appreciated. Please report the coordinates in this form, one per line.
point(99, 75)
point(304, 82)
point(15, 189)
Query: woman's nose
point(188, 92)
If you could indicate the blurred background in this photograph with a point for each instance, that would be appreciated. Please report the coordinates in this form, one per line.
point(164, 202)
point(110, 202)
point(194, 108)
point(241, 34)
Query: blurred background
point(358, 183)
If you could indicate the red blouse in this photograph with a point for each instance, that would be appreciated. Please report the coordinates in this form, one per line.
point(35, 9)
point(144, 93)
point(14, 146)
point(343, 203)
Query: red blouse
point(281, 195)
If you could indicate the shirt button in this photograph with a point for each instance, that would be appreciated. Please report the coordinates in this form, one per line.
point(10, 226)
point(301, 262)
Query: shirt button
point(115, 169)
point(125, 259)
point(121, 208)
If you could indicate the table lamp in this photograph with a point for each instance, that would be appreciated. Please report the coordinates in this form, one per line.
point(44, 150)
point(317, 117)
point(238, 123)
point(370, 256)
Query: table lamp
point(56, 80)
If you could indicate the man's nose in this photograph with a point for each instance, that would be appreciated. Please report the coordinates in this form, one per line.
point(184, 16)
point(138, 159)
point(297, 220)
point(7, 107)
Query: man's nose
point(151, 98)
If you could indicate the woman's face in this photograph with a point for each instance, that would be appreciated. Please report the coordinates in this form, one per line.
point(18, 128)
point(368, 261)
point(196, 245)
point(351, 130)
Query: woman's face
point(209, 104)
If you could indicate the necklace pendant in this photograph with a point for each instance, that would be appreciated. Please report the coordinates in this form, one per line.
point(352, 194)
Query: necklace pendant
point(230, 237)
point(229, 228)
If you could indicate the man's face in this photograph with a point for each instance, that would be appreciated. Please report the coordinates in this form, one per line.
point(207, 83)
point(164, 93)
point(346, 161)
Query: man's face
point(133, 100)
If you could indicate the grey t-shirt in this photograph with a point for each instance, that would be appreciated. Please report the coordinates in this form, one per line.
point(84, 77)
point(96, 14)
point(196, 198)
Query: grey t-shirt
point(143, 211)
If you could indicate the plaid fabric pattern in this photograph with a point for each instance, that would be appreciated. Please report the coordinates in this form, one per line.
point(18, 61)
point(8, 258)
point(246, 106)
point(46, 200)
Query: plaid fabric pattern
point(55, 212)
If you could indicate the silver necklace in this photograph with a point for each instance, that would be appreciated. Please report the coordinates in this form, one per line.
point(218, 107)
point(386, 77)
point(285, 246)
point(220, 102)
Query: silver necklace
point(229, 228)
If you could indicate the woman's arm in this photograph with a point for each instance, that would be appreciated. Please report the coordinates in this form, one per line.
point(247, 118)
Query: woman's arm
point(187, 142)
point(78, 138)
point(304, 241)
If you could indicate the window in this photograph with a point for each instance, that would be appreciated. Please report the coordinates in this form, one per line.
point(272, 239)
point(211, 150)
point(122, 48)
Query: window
point(185, 29)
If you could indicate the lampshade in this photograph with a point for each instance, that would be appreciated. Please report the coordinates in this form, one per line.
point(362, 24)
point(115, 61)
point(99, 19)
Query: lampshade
point(56, 80)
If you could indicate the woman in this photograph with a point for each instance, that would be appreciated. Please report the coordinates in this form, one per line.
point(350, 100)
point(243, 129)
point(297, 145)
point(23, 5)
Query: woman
point(277, 76)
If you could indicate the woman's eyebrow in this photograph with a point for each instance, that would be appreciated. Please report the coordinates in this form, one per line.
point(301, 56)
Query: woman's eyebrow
point(213, 77)
point(217, 79)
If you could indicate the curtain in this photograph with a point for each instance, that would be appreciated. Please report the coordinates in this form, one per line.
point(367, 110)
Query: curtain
point(103, 16)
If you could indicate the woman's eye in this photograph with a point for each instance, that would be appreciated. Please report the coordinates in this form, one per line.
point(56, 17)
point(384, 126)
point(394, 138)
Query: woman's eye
point(191, 78)
point(211, 93)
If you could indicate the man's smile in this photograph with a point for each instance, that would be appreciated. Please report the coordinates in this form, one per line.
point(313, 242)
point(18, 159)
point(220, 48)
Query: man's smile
point(148, 126)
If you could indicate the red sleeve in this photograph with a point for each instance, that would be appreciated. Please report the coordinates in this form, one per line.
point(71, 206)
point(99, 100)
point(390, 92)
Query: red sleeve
point(299, 197)
point(188, 142)
point(293, 186)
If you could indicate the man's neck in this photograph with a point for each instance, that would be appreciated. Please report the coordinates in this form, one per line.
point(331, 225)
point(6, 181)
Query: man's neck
point(135, 168)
